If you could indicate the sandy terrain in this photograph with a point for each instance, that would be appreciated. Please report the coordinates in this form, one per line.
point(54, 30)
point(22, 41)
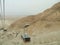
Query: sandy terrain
point(47, 34)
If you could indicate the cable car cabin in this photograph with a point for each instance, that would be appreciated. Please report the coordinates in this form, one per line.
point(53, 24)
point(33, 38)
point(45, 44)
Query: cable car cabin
point(25, 38)
point(3, 29)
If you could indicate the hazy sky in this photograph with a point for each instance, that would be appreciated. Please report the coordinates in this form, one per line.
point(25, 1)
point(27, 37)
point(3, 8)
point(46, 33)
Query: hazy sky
point(27, 7)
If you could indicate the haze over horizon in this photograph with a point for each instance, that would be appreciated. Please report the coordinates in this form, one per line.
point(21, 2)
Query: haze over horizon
point(27, 7)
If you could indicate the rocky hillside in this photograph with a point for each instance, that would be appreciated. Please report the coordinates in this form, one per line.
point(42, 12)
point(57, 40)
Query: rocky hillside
point(43, 29)
point(22, 22)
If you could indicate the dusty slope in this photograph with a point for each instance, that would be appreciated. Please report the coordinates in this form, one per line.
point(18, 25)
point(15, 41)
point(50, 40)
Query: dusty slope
point(41, 32)
point(43, 26)
point(21, 22)
point(45, 31)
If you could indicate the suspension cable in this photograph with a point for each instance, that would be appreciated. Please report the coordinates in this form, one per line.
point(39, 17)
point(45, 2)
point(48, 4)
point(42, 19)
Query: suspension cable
point(2, 13)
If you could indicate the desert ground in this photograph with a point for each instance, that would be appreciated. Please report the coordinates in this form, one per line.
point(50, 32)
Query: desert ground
point(49, 34)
